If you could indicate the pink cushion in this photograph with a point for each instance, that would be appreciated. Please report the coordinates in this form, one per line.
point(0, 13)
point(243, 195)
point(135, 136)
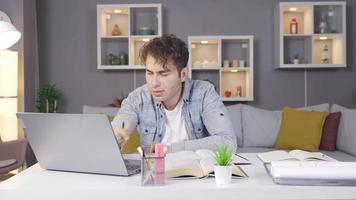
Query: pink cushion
point(328, 138)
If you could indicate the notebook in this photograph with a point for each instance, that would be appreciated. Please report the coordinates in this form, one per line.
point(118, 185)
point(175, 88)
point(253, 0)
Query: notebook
point(76, 143)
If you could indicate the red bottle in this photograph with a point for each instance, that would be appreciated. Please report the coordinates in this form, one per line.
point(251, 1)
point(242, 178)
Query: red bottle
point(293, 26)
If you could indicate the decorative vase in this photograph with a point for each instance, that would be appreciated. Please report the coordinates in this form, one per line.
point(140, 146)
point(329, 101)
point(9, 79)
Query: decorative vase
point(228, 93)
point(122, 58)
point(223, 175)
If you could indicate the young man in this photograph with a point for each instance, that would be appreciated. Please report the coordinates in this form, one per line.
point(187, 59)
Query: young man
point(172, 109)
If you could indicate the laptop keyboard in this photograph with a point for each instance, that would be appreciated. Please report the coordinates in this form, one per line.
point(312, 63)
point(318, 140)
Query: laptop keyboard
point(132, 164)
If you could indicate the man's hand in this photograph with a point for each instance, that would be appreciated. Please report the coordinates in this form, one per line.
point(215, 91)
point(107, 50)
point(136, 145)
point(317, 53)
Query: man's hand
point(123, 134)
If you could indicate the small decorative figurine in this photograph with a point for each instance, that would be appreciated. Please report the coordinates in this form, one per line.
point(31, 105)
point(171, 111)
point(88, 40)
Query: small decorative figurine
point(116, 30)
point(325, 56)
point(293, 26)
point(239, 91)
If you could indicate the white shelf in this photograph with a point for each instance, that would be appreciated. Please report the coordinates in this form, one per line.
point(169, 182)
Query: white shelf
point(134, 22)
point(217, 49)
point(302, 66)
point(121, 67)
point(312, 37)
point(235, 69)
point(205, 68)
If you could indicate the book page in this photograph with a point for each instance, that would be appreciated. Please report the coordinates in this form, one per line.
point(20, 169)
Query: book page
point(183, 168)
point(205, 153)
point(310, 156)
point(183, 164)
point(183, 155)
point(276, 155)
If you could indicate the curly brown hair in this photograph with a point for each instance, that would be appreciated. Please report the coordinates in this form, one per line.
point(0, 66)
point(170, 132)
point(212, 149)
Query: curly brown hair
point(166, 48)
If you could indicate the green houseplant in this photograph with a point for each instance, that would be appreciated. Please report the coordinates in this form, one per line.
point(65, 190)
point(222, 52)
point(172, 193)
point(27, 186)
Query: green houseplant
point(296, 59)
point(48, 97)
point(223, 170)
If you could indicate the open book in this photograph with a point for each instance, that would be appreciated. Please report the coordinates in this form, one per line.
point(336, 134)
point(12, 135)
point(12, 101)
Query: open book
point(295, 155)
point(197, 164)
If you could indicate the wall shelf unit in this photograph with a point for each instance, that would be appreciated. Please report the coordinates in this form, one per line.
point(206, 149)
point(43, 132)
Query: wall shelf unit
point(316, 40)
point(122, 29)
point(226, 61)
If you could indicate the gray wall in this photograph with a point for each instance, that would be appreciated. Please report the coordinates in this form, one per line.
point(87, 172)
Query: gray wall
point(67, 51)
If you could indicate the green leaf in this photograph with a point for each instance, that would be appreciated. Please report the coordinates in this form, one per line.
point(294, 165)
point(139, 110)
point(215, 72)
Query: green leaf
point(223, 155)
point(48, 97)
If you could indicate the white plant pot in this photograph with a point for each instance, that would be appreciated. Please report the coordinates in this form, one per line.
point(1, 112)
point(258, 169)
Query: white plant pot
point(296, 61)
point(223, 175)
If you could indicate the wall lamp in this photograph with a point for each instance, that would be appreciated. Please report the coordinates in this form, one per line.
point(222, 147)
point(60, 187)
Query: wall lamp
point(9, 35)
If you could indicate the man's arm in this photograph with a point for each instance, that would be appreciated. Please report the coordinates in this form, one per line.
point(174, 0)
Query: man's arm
point(126, 118)
point(217, 123)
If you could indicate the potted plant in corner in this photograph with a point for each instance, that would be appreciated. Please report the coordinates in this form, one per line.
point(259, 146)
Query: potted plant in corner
point(296, 59)
point(223, 169)
point(48, 97)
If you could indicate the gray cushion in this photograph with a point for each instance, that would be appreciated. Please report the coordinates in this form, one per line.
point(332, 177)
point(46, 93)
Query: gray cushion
point(346, 136)
point(260, 127)
point(111, 111)
point(235, 116)
point(6, 163)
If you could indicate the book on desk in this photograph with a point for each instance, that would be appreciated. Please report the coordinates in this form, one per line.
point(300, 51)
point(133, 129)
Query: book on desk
point(198, 164)
point(293, 155)
point(299, 167)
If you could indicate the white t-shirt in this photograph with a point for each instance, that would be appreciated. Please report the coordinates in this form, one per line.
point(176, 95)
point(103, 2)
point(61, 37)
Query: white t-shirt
point(175, 125)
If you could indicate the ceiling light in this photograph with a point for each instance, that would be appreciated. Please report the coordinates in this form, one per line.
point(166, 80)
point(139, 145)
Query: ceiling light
point(204, 42)
point(293, 9)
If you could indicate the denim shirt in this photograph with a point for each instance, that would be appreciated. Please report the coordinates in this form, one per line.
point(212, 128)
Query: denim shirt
point(206, 119)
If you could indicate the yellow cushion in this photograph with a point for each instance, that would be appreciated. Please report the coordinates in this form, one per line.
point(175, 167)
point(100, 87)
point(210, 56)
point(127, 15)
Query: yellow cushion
point(130, 146)
point(300, 130)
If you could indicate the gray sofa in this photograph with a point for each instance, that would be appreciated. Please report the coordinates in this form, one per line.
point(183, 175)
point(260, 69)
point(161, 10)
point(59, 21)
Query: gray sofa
point(257, 129)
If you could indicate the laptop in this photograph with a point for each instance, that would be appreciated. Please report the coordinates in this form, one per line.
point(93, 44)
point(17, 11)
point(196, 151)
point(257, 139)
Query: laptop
point(76, 143)
point(324, 173)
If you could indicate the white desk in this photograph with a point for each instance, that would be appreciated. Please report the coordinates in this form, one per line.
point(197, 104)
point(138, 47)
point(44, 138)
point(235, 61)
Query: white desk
point(36, 183)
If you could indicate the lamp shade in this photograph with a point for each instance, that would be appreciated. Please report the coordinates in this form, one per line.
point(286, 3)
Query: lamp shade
point(8, 73)
point(8, 35)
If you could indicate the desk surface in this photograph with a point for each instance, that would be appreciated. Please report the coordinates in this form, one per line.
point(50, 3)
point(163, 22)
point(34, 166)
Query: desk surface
point(35, 182)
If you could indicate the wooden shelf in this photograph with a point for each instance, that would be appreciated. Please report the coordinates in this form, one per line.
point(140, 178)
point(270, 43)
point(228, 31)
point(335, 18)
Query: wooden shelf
point(321, 38)
point(232, 49)
point(137, 24)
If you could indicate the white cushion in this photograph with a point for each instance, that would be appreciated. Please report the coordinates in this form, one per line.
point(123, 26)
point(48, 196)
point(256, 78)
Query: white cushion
point(235, 116)
point(111, 111)
point(346, 136)
point(260, 127)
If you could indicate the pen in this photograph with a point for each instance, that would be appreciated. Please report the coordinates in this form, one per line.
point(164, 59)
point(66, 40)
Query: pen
point(242, 157)
point(123, 143)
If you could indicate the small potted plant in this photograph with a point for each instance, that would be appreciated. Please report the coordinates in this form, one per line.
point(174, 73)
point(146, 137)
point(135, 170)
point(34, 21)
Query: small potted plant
point(223, 169)
point(48, 98)
point(296, 59)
